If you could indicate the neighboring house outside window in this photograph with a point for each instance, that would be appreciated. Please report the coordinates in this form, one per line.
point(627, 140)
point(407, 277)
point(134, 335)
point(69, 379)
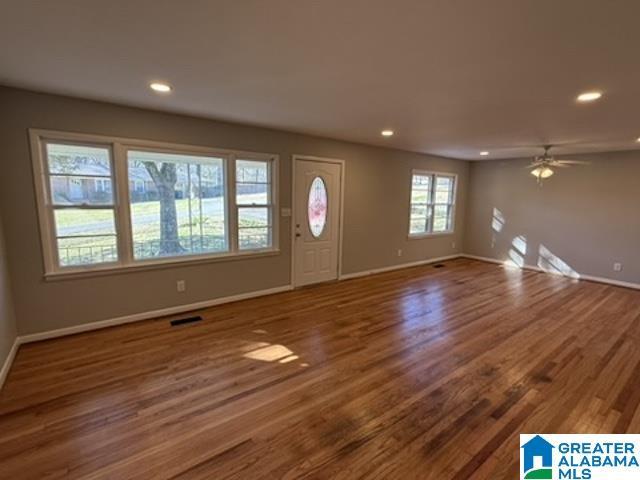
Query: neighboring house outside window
point(109, 203)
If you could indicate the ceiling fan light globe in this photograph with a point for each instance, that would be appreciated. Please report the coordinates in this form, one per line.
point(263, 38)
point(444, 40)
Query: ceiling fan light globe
point(542, 172)
point(546, 172)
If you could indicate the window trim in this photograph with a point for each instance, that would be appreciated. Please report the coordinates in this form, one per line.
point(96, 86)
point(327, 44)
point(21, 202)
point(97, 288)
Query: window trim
point(118, 147)
point(270, 205)
point(433, 174)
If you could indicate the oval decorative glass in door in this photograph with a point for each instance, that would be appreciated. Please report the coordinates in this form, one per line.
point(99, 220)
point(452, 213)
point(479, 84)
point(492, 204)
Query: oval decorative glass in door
point(317, 207)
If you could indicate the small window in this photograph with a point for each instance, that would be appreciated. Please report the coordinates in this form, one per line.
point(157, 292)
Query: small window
point(432, 203)
point(254, 204)
point(181, 213)
point(83, 216)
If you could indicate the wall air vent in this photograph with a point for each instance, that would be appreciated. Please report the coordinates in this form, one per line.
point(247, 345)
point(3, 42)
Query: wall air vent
point(184, 321)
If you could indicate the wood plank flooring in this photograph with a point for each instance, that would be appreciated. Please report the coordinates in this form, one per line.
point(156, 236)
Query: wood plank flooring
point(419, 373)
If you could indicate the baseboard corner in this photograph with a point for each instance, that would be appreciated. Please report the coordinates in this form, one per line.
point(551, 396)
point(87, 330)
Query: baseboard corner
point(6, 367)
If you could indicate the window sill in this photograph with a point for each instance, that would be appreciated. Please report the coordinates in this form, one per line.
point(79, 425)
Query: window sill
point(115, 269)
point(422, 236)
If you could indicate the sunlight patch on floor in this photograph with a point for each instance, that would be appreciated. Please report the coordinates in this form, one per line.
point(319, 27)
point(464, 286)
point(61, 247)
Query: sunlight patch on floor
point(269, 353)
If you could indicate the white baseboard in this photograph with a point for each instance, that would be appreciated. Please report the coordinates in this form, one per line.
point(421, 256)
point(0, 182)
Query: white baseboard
point(9, 361)
point(590, 278)
point(365, 273)
point(35, 337)
point(86, 327)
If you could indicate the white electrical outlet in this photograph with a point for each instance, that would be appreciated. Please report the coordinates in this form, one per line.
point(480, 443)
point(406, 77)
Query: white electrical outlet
point(399, 252)
point(453, 244)
point(617, 267)
point(181, 285)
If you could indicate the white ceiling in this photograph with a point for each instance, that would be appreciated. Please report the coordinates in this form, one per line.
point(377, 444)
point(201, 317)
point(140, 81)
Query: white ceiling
point(451, 77)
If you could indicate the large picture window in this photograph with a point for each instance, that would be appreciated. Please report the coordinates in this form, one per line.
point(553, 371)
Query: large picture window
point(177, 204)
point(115, 203)
point(432, 203)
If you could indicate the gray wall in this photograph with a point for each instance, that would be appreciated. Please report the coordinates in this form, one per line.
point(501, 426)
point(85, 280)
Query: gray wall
point(376, 207)
point(582, 220)
point(7, 320)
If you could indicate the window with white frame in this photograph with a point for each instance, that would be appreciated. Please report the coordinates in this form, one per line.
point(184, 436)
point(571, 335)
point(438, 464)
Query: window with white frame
point(196, 202)
point(84, 227)
point(254, 204)
point(181, 215)
point(432, 203)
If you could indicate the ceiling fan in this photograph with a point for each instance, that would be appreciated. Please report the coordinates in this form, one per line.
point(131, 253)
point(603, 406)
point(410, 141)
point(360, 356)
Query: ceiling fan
point(542, 166)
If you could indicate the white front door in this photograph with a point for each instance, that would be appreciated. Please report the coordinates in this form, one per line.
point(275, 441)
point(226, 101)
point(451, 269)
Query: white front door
point(317, 221)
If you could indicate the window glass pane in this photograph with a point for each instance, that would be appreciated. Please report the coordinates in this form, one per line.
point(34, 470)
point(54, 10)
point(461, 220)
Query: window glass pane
point(419, 218)
point(73, 222)
point(418, 225)
point(177, 204)
point(419, 196)
point(421, 182)
point(87, 250)
point(79, 175)
point(252, 171)
point(254, 238)
point(252, 182)
point(444, 189)
point(78, 160)
point(254, 228)
point(252, 193)
point(67, 190)
point(253, 217)
point(441, 218)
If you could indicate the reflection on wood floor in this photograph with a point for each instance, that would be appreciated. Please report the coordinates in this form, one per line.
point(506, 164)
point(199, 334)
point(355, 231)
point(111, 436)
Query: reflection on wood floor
point(417, 373)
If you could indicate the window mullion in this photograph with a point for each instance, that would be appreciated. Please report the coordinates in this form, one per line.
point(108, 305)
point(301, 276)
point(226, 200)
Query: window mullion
point(52, 255)
point(231, 205)
point(272, 212)
point(122, 205)
point(430, 208)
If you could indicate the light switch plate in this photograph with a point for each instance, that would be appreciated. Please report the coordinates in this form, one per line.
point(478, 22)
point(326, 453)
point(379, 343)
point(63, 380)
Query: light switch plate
point(285, 212)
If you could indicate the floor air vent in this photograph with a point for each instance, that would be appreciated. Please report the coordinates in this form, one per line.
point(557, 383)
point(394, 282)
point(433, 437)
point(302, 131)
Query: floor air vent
point(184, 321)
point(439, 265)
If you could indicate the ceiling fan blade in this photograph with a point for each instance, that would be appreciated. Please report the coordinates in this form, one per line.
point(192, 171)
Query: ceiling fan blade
point(535, 164)
point(573, 162)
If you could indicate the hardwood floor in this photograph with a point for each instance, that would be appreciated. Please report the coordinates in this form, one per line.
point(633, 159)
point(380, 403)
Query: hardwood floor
point(418, 373)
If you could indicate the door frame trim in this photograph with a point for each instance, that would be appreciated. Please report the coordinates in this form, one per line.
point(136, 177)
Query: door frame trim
point(311, 158)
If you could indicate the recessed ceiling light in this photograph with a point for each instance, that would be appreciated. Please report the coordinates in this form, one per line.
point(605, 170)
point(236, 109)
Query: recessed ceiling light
point(589, 96)
point(387, 133)
point(484, 154)
point(160, 87)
